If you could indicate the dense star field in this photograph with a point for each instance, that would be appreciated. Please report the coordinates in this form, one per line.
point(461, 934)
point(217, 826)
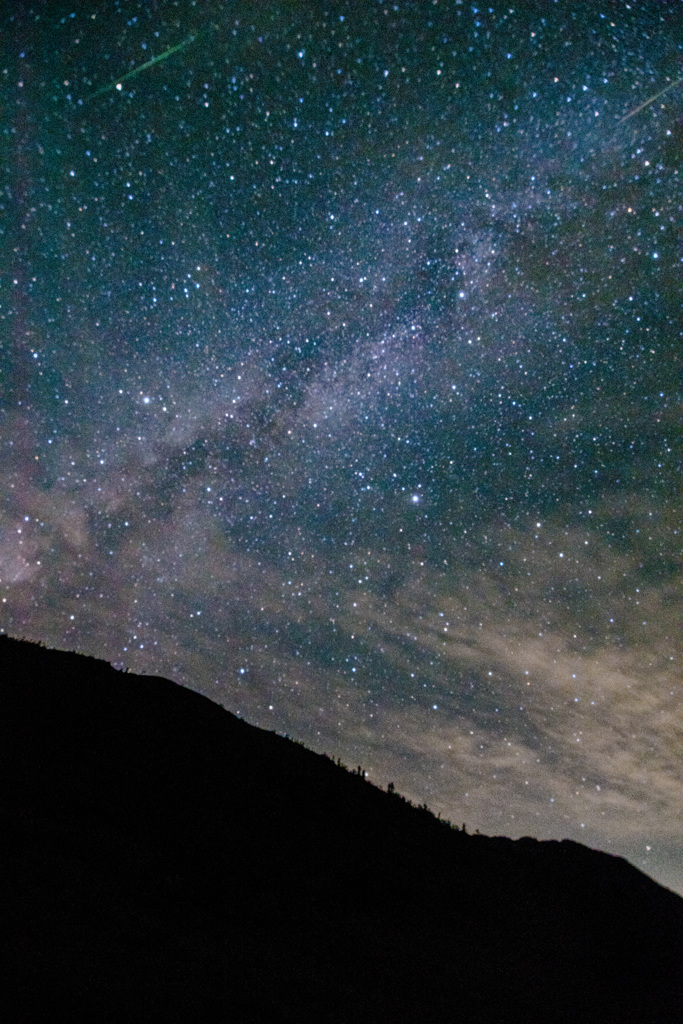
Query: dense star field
point(339, 348)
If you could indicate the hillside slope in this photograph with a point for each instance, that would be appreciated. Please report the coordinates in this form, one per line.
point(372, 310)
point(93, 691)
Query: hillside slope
point(163, 859)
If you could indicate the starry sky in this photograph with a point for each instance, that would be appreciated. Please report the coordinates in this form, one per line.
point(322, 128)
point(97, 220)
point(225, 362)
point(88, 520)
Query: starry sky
point(338, 367)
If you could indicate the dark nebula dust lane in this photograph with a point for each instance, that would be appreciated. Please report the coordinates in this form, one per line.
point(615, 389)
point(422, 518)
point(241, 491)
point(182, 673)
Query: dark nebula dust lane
point(339, 354)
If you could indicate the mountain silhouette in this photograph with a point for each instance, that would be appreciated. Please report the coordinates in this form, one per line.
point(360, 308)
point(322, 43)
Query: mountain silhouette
point(163, 860)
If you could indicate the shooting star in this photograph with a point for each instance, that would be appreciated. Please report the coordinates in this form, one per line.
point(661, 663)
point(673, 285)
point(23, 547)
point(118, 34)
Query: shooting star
point(647, 103)
point(118, 83)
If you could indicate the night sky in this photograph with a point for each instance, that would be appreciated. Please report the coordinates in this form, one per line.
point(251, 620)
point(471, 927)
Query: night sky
point(339, 356)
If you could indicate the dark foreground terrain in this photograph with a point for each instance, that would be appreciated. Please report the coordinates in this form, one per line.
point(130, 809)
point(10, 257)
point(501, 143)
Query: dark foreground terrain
point(164, 861)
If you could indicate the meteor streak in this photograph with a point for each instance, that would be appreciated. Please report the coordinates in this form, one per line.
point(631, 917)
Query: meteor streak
point(143, 67)
point(647, 103)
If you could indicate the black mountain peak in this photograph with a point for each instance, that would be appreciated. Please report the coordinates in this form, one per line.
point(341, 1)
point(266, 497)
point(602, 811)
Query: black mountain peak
point(164, 860)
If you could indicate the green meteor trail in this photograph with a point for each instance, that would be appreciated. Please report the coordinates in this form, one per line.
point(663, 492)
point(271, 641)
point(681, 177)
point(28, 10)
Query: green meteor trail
point(143, 67)
point(647, 103)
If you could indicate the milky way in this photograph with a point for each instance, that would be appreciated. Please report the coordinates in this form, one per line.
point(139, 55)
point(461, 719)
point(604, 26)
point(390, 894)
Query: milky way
point(339, 368)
